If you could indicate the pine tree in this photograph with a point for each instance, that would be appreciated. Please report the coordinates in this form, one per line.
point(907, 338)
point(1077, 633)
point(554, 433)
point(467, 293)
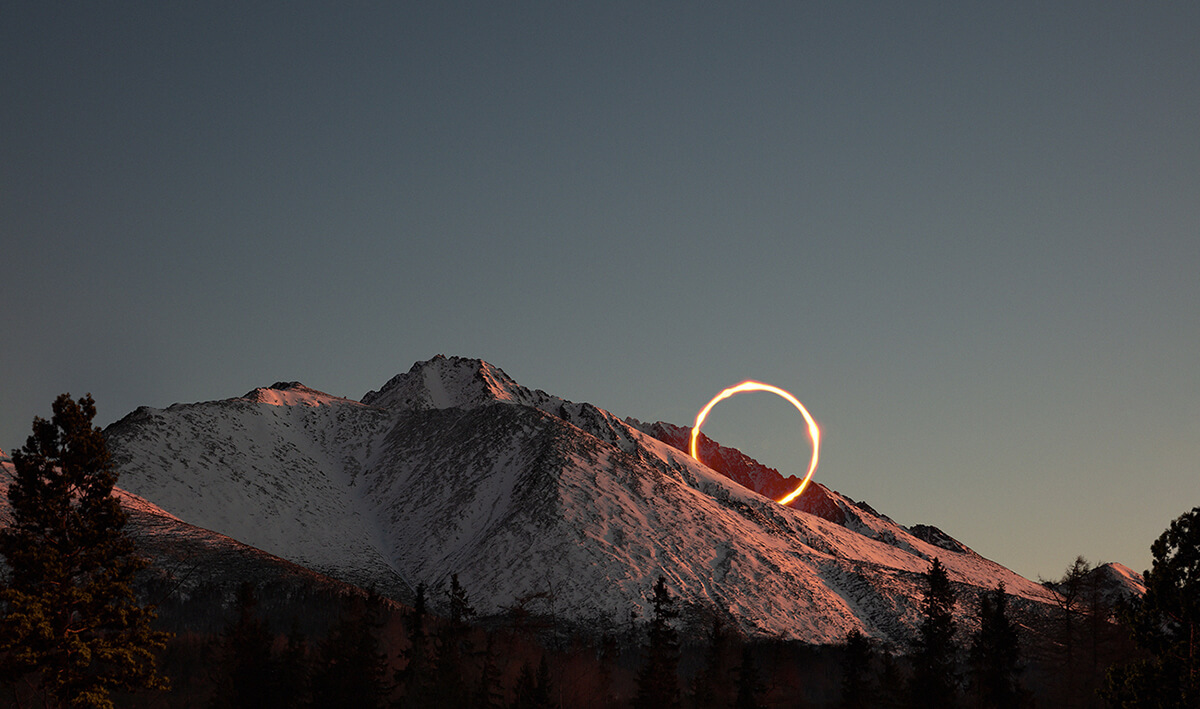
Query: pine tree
point(996, 655)
point(934, 680)
point(71, 627)
point(1166, 624)
point(658, 682)
point(857, 692)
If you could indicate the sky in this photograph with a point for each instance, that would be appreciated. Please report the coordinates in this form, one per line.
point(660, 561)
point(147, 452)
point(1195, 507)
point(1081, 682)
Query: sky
point(965, 235)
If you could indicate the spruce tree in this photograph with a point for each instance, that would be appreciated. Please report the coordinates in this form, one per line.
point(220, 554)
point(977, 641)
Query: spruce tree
point(934, 680)
point(609, 654)
point(1165, 623)
point(658, 682)
point(415, 679)
point(534, 690)
point(711, 685)
point(456, 656)
point(293, 670)
point(351, 668)
point(544, 689)
point(72, 629)
point(996, 655)
point(525, 688)
point(891, 683)
point(489, 693)
point(857, 691)
point(749, 683)
point(244, 668)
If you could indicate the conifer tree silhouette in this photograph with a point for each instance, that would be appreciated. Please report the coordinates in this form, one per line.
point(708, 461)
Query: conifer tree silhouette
point(71, 627)
point(243, 668)
point(857, 689)
point(996, 655)
point(351, 667)
point(658, 682)
point(1166, 624)
point(934, 681)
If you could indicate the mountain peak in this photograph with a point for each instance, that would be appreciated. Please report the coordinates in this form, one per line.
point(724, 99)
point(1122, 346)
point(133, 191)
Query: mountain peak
point(290, 394)
point(452, 382)
point(1118, 580)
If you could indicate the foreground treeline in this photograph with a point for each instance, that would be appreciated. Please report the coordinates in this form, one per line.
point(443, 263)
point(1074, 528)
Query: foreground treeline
point(77, 629)
point(1015, 654)
point(275, 649)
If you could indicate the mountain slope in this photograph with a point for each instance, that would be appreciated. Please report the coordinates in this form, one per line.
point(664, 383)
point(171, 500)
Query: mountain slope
point(194, 567)
point(243, 466)
point(453, 467)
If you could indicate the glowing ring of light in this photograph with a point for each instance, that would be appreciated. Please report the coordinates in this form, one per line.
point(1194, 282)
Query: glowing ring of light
point(813, 432)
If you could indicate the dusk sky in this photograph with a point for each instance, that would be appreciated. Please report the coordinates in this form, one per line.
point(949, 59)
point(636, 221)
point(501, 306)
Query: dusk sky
point(965, 235)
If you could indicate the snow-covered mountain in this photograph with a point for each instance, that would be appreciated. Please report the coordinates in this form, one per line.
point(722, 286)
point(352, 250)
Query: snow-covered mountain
point(453, 467)
point(187, 561)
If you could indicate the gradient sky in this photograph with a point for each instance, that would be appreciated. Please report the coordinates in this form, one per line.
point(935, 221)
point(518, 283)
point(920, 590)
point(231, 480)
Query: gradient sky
point(965, 235)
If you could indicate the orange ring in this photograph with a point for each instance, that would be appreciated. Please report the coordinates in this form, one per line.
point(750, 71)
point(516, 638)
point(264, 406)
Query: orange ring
point(813, 432)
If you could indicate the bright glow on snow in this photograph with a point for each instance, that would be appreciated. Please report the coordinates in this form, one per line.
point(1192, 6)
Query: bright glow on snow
point(814, 433)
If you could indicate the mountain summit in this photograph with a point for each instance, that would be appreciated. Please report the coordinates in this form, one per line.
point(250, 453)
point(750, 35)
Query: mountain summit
point(452, 382)
point(534, 501)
